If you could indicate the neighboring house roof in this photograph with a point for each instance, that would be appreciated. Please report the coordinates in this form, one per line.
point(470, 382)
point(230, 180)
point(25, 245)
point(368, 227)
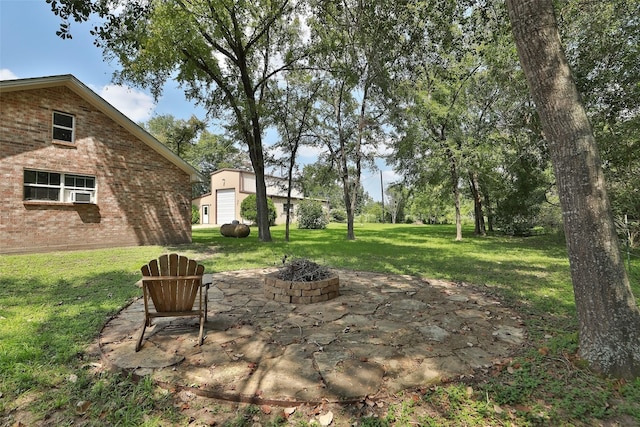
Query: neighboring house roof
point(217, 171)
point(271, 180)
point(80, 89)
point(250, 172)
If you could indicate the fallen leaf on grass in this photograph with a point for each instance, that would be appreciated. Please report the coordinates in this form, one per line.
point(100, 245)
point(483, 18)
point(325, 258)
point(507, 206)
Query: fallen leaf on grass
point(82, 406)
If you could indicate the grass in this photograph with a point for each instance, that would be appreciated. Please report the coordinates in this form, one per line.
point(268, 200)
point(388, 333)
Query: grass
point(52, 307)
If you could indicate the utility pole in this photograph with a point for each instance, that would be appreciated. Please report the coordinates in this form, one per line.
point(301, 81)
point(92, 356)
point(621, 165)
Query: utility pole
point(382, 190)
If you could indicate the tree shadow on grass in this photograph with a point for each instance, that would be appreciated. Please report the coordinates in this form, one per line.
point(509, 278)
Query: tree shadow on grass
point(533, 269)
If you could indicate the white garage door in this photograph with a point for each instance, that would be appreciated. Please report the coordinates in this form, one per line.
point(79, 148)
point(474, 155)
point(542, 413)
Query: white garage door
point(226, 203)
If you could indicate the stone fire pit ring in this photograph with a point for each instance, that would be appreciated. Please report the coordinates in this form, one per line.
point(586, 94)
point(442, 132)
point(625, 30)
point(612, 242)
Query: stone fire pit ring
point(293, 292)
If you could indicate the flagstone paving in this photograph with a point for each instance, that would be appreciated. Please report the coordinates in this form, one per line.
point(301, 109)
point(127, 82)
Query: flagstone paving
point(383, 334)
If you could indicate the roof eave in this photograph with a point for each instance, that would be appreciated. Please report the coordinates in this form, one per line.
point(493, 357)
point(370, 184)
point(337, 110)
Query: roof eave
point(72, 83)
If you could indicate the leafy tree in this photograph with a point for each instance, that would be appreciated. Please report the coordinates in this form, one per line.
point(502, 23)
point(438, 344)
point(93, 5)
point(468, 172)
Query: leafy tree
point(208, 153)
point(608, 314)
point(371, 212)
point(195, 215)
point(320, 181)
point(603, 48)
point(430, 204)
point(522, 189)
point(213, 152)
point(431, 104)
point(293, 117)
point(225, 54)
point(311, 215)
point(464, 116)
point(249, 210)
point(396, 195)
point(432, 144)
point(178, 135)
point(358, 45)
point(338, 215)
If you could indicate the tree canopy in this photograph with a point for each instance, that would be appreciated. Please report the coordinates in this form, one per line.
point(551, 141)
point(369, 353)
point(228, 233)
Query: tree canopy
point(224, 54)
point(434, 87)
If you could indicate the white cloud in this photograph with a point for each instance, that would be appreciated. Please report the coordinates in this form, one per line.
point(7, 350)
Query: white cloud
point(7, 74)
point(134, 104)
point(311, 152)
point(391, 176)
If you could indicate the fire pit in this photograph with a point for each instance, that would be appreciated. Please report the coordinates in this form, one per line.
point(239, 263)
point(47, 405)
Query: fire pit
point(302, 282)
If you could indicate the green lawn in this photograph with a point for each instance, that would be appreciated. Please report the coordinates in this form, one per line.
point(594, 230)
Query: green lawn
point(52, 307)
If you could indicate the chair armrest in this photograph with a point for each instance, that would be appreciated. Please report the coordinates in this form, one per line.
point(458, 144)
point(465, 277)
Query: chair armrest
point(160, 278)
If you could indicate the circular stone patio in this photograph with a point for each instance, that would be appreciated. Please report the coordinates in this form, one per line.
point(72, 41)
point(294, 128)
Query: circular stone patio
point(383, 334)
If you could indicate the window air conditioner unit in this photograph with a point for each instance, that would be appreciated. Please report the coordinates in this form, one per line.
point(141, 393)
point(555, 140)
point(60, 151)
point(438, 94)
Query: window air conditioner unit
point(81, 197)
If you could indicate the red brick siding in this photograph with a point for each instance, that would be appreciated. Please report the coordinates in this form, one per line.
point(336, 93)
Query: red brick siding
point(142, 198)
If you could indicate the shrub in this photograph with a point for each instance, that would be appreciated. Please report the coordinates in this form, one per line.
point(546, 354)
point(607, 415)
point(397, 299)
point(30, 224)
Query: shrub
point(195, 214)
point(311, 215)
point(249, 209)
point(520, 224)
point(338, 215)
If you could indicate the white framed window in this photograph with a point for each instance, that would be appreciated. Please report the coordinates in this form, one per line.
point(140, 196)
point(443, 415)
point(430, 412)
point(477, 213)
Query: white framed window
point(59, 187)
point(63, 127)
point(287, 207)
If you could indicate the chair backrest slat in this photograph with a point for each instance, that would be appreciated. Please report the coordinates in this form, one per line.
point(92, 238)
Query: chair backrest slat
point(173, 295)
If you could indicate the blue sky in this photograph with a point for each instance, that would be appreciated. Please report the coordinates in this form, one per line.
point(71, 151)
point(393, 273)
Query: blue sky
point(29, 47)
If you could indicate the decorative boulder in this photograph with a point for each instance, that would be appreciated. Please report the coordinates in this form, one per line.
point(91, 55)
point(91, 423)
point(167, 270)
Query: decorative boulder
point(235, 230)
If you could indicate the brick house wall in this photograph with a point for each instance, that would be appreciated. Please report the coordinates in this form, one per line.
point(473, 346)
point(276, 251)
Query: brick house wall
point(142, 198)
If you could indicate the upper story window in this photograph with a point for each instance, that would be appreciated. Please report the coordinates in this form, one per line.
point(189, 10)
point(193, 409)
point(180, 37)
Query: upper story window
point(63, 127)
point(59, 187)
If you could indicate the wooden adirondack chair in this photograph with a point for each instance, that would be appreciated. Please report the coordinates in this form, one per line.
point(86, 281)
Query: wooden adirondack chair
point(170, 285)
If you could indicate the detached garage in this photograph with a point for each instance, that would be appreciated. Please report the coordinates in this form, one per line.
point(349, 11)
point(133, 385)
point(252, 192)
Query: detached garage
point(226, 203)
point(229, 187)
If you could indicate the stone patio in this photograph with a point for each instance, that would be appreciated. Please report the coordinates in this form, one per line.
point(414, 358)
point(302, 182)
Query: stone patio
point(383, 334)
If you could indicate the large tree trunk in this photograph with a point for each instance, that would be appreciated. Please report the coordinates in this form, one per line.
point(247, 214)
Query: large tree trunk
point(349, 197)
point(474, 185)
point(256, 154)
point(608, 315)
point(488, 209)
point(453, 171)
point(264, 232)
point(349, 203)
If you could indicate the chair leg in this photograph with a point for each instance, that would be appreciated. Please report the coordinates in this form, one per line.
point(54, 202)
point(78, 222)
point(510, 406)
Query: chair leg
point(201, 336)
point(141, 337)
point(206, 307)
point(206, 300)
